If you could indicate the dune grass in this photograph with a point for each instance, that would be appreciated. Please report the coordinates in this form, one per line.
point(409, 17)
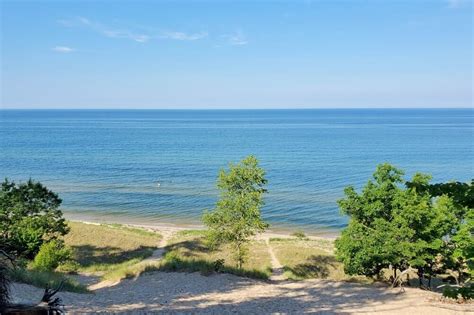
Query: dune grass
point(310, 259)
point(113, 251)
point(188, 251)
point(130, 269)
point(43, 279)
point(104, 248)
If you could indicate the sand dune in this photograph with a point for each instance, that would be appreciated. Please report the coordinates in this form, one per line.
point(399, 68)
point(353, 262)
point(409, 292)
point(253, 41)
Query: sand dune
point(223, 294)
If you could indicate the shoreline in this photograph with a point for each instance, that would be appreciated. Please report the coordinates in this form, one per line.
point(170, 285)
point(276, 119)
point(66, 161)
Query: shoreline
point(181, 226)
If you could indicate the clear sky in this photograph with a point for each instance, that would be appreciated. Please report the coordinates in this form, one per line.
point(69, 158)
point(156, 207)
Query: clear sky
point(231, 54)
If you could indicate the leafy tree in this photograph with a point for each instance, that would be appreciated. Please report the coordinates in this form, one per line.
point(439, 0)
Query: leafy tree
point(371, 242)
point(457, 201)
point(421, 225)
point(459, 254)
point(429, 220)
point(29, 216)
point(237, 216)
point(462, 194)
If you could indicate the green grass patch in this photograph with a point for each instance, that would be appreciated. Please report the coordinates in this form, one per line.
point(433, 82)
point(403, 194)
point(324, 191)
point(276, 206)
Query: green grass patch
point(188, 251)
point(42, 279)
point(102, 248)
point(310, 259)
point(130, 269)
point(174, 262)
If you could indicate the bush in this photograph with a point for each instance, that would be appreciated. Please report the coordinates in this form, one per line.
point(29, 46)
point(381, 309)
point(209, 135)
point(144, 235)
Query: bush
point(299, 234)
point(51, 255)
point(465, 292)
point(218, 265)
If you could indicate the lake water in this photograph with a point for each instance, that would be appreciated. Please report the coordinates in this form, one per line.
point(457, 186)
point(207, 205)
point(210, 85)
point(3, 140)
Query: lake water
point(107, 163)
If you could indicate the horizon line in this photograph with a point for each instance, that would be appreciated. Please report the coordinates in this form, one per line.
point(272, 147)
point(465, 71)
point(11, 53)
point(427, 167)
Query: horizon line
point(232, 108)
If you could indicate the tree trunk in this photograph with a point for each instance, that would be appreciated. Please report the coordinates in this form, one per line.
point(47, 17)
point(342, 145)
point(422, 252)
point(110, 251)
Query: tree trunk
point(420, 278)
point(394, 272)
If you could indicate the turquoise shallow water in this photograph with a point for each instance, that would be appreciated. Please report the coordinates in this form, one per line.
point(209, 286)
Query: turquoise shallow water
point(104, 162)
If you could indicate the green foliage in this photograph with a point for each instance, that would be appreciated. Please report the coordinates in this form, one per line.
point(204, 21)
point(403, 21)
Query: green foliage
point(460, 252)
point(51, 255)
point(419, 225)
point(29, 216)
point(237, 216)
point(371, 242)
point(464, 292)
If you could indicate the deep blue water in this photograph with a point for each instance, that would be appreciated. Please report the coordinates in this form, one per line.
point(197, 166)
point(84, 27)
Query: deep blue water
point(109, 162)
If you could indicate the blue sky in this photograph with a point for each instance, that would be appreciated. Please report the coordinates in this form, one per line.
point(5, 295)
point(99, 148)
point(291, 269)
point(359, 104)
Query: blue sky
point(230, 54)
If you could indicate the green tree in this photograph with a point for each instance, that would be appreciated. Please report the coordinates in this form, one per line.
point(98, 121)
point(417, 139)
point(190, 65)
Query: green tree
point(29, 216)
point(429, 220)
point(455, 219)
point(425, 226)
point(237, 215)
point(371, 242)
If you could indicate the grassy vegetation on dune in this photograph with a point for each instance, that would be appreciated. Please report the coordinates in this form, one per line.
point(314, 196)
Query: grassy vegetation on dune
point(130, 269)
point(102, 248)
point(111, 250)
point(43, 279)
point(309, 259)
point(188, 251)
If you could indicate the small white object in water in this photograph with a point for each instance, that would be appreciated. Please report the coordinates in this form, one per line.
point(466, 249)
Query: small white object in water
point(158, 185)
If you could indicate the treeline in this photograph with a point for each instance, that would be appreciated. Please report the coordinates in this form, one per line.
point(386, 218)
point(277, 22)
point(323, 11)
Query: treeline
point(403, 225)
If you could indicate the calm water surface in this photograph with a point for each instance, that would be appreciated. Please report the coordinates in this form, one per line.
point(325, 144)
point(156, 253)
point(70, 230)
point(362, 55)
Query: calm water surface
point(108, 163)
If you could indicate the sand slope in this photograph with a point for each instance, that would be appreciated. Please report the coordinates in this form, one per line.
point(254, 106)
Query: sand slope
point(225, 294)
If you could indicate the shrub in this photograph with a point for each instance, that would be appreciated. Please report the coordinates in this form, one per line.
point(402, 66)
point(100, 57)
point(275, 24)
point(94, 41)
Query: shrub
point(51, 255)
point(218, 265)
point(299, 234)
point(465, 292)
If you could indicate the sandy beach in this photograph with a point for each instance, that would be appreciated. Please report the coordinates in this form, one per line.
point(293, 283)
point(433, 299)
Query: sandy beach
point(172, 227)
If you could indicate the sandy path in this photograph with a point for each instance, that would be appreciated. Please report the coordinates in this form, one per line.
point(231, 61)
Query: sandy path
point(226, 294)
point(158, 253)
point(277, 267)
